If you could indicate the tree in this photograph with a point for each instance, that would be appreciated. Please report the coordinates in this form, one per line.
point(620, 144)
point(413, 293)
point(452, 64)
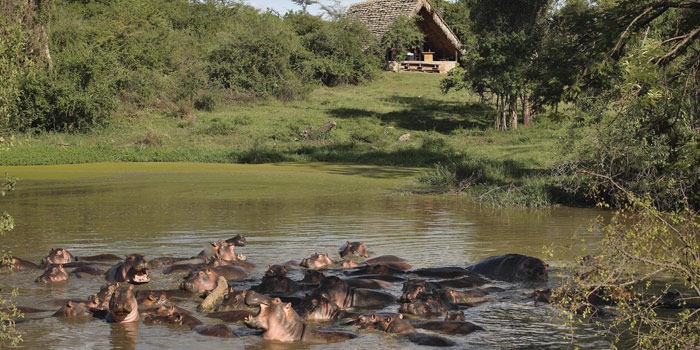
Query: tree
point(8, 312)
point(508, 36)
point(304, 4)
point(403, 35)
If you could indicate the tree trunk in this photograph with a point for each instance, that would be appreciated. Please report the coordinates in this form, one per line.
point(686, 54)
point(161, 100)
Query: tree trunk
point(527, 113)
point(504, 122)
point(497, 121)
point(513, 110)
point(44, 46)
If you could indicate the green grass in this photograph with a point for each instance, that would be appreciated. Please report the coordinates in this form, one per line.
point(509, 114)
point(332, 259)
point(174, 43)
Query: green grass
point(453, 128)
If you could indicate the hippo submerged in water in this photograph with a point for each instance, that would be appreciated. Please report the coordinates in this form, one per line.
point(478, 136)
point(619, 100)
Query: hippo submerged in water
point(512, 267)
point(134, 269)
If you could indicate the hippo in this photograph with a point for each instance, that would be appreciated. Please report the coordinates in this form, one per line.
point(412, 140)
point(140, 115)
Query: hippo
point(379, 269)
point(354, 248)
point(454, 316)
point(233, 300)
point(58, 256)
point(312, 277)
point(512, 267)
point(123, 307)
point(175, 318)
point(225, 253)
point(281, 323)
point(238, 240)
point(348, 264)
point(17, 264)
point(164, 261)
point(459, 297)
point(217, 330)
point(316, 261)
point(397, 325)
point(340, 293)
point(443, 272)
point(449, 327)
point(413, 288)
point(390, 260)
point(426, 306)
point(231, 316)
point(55, 273)
point(152, 299)
point(72, 309)
point(134, 269)
point(88, 270)
point(322, 309)
point(201, 280)
point(276, 271)
point(276, 284)
point(99, 258)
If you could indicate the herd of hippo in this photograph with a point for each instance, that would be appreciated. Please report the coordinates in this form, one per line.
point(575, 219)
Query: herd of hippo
point(353, 291)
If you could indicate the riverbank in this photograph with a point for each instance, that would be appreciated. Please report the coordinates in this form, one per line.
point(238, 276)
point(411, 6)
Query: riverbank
point(398, 119)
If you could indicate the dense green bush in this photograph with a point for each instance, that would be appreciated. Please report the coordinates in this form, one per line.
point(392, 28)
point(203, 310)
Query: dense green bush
point(112, 58)
point(338, 52)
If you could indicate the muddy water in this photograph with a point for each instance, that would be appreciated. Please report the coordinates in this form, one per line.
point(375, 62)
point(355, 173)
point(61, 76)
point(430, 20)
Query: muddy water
point(286, 212)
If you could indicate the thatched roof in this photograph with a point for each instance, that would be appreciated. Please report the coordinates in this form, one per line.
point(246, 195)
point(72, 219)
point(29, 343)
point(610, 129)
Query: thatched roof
point(379, 14)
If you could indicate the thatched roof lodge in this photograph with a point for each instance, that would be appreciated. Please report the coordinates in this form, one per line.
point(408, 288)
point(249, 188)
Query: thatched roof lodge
point(439, 38)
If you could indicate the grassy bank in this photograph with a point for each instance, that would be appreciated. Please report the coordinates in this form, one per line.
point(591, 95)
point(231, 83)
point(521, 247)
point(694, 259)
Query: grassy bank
point(370, 120)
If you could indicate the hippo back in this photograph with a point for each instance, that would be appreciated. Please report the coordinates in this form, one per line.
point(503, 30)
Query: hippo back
point(512, 267)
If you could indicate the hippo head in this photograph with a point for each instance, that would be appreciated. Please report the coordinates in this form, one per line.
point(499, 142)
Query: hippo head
point(72, 309)
point(313, 277)
point(58, 256)
point(201, 280)
point(367, 322)
point(316, 261)
point(532, 269)
point(122, 305)
point(238, 240)
point(411, 290)
point(53, 274)
point(423, 306)
point(335, 290)
point(254, 298)
point(276, 271)
point(105, 294)
point(349, 264)
point(225, 251)
point(279, 321)
point(153, 300)
point(395, 324)
point(354, 248)
point(319, 309)
point(234, 300)
point(136, 269)
point(454, 316)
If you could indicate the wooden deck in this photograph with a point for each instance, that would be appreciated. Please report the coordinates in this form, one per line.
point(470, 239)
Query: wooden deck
point(428, 66)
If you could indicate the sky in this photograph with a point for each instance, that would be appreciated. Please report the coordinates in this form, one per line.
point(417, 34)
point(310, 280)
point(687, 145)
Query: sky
point(282, 6)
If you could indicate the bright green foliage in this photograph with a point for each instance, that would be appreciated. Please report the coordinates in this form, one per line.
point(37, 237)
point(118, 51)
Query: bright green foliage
point(649, 267)
point(337, 52)
point(500, 58)
point(402, 37)
point(8, 312)
point(641, 126)
point(119, 58)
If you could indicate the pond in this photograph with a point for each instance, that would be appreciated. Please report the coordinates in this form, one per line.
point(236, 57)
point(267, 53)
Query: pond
point(286, 212)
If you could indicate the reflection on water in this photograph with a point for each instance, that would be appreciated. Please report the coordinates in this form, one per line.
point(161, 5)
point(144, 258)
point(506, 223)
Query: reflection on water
point(286, 212)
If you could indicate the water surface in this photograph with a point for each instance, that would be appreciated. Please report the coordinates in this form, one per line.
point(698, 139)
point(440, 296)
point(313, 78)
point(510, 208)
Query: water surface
point(286, 212)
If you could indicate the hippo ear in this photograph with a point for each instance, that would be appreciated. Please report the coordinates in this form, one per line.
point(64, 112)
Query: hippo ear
point(126, 256)
point(268, 266)
point(373, 318)
point(131, 287)
point(546, 266)
point(69, 304)
point(288, 306)
point(177, 316)
point(314, 302)
point(213, 244)
point(171, 309)
point(362, 318)
point(400, 316)
point(276, 300)
point(389, 319)
point(347, 243)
